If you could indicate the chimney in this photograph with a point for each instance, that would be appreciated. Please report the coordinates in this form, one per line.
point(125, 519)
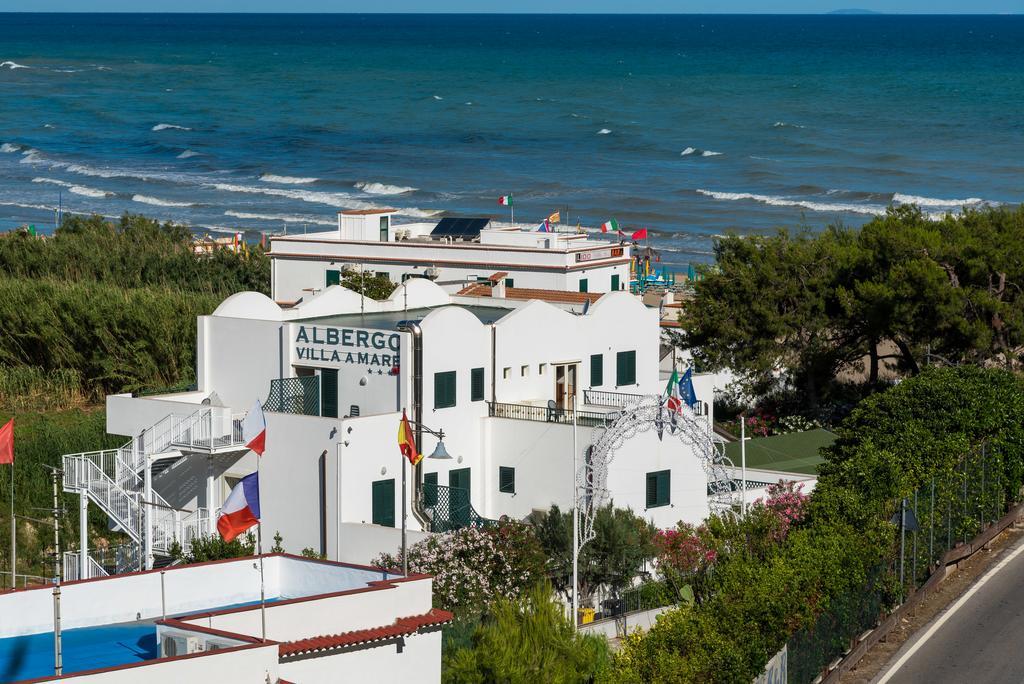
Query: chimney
point(498, 288)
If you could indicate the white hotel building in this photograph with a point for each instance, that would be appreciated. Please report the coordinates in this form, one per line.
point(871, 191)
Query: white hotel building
point(498, 375)
point(452, 252)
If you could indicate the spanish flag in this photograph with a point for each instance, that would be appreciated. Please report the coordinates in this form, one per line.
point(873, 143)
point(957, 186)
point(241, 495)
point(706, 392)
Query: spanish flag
point(406, 442)
point(555, 218)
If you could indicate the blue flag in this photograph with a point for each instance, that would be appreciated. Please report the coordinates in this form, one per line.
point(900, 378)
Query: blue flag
point(686, 388)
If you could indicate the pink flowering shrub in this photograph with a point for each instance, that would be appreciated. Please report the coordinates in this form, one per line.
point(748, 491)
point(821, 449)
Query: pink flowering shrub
point(762, 424)
point(473, 567)
point(685, 549)
point(787, 502)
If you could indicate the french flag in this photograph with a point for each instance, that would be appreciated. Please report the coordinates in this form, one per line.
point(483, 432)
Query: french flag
point(254, 429)
point(242, 509)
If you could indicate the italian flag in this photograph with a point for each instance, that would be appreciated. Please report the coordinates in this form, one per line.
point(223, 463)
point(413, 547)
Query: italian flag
point(672, 398)
point(505, 200)
point(610, 224)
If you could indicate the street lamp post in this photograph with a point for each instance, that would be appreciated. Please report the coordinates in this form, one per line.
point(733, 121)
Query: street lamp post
point(439, 453)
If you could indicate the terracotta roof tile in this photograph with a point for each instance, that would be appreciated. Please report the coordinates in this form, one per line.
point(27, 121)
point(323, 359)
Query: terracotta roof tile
point(403, 626)
point(524, 293)
point(495, 277)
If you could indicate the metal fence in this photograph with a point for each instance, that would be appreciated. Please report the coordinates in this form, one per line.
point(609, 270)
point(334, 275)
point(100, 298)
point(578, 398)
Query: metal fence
point(449, 508)
point(950, 509)
point(547, 414)
point(294, 395)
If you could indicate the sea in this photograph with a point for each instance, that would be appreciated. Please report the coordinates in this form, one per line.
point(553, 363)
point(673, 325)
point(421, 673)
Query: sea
point(693, 126)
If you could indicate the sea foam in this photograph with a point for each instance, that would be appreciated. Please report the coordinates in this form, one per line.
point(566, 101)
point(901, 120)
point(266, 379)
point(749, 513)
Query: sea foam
point(13, 65)
point(604, 131)
point(9, 148)
point(157, 202)
point(188, 154)
point(935, 202)
point(383, 188)
point(697, 151)
point(76, 189)
point(287, 180)
point(784, 201)
point(284, 218)
point(165, 127)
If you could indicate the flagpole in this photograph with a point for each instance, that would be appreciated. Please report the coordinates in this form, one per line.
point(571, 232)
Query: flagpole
point(743, 463)
point(575, 523)
point(259, 550)
point(512, 208)
point(14, 533)
point(405, 556)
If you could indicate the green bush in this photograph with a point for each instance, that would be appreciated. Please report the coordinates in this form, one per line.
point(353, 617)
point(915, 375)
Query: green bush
point(527, 640)
point(39, 441)
point(828, 577)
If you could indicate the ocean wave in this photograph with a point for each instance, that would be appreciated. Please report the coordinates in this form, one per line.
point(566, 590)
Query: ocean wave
point(697, 151)
point(783, 124)
point(784, 201)
point(284, 218)
point(286, 180)
point(188, 154)
point(383, 188)
point(13, 65)
point(438, 97)
point(165, 127)
point(157, 202)
point(76, 189)
point(9, 148)
point(332, 199)
point(31, 156)
point(604, 131)
point(900, 198)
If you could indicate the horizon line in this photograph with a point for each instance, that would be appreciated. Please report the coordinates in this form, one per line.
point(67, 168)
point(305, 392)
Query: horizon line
point(841, 12)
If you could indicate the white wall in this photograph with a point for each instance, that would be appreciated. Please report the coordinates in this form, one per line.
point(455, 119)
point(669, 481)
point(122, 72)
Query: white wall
point(645, 453)
point(240, 357)
point(418, 660)
point(362, 543)
point(245, 665)
point(291, 487)
point(122, 599)
point(333, 614)
point(541, 454)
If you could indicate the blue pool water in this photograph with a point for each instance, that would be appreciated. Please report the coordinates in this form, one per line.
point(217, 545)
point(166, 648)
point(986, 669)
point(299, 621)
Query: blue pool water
point(692, 125)
point(85, 648)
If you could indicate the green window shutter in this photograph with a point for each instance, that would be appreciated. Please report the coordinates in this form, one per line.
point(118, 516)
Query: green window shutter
point(596, 370)
point(510, 282)
point(583, 284)
point(615, 282)
point(658, 486)
point(329, 392)
point(444, 389)
point(333, 278)
point(476, 384)
point(384, 502)
point(506, 480)
point(430, 490)
point(625, 368)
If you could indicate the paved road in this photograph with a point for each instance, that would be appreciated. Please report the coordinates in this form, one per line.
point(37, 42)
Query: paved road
point(982, 639)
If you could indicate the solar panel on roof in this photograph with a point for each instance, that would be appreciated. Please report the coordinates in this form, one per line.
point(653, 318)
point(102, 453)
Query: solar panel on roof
point(459, 227)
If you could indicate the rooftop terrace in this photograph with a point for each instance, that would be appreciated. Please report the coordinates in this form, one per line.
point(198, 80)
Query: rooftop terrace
point(112, 621)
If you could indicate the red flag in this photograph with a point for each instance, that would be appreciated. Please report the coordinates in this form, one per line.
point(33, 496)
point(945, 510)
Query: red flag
point(640, 234)
point(406, 442)
point(7, 443)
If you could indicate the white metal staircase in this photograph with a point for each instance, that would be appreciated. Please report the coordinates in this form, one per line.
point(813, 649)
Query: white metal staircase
point(119, 481)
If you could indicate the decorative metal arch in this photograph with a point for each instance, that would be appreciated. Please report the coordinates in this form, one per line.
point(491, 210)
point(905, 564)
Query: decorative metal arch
point(641, 415)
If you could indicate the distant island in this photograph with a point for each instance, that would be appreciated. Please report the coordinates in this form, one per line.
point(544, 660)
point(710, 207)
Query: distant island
point(854, 10)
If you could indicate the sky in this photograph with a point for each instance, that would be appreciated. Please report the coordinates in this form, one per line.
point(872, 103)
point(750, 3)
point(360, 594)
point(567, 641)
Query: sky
point(541, 6)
